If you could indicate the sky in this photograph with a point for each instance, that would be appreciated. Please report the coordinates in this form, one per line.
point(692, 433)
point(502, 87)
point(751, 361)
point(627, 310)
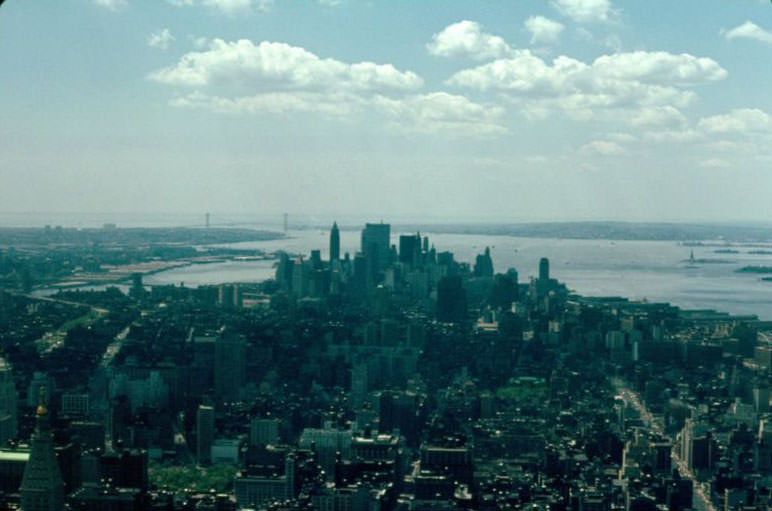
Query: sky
point(510, 110)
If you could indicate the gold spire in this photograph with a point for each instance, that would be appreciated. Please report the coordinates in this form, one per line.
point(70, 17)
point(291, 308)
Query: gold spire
point(42, 410)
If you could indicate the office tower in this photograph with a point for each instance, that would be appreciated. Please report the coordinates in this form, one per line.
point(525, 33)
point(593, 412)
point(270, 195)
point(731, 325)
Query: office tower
point(126, 468)
point(316, 260)
point(284, 271)
point(483, 266)
point(286, 222)
point(229, 296)
point(544, 269)
point(8, 404)
point(206, 220)
point(204, 434)
point(361, 279)
point(42, 488)
point(409, 248)
point(503, 292)
point(512, 274)
point(229, 366)
point(301, 273)
point(416, 335)
point(375, 244)
point(451, 299)
point(334, 242)
point(264, 431)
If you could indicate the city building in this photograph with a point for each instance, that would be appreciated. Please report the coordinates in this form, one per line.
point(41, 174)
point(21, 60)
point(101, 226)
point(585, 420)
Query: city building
point(204, 434)
point(229, 367)
point(42, 488)
point(8, 404)
point(334, 243)
point(376, 245)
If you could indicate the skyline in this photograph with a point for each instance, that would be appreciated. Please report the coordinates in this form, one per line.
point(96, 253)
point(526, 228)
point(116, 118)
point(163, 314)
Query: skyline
point(535, 111)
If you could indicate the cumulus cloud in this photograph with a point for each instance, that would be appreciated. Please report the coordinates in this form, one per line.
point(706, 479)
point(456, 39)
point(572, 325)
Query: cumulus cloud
point(602, 148)
point(160, 39)
point(229, 7)
point(714, 163)
point(422, 113)
point(543, 30)
point(233, 7)
point(585, 11)
point(664, 116)
point(623, 80)
point(113, 5)
point(271, 65)
point(241, 77)
point(672, 136)
point(272, 103)
point(441, 112)
point(741, 120)
point(749, 30)
point(466, 39)
point(659, 67)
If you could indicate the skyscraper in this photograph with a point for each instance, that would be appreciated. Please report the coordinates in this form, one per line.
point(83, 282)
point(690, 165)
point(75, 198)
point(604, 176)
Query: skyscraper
point(451, 299)
point(229, 366)
point(204, 434)
point(483, 266)
point(8, 404)
point(334, 242)
point(544, 269)
point(41, 487)
point(375, 244)
point(409, 248)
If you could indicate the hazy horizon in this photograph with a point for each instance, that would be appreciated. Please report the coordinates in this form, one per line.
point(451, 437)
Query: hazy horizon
point(123, 219)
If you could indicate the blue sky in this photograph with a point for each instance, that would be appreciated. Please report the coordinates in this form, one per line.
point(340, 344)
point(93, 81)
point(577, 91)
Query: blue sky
point(477, 110)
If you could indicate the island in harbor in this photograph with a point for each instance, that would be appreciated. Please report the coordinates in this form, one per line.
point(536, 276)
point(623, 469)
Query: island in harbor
point(755, 269)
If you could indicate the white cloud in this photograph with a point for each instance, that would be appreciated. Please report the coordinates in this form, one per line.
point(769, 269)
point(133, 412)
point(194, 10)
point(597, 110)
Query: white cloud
point(113, 5)
point(749, 30)
point(466, 39)
point(732, 146)
point(441, 112)
point(543, 30)
point(602, 148)
point(620, 81)
point(160, 39)
point(660, 67)
point(279, 66)
point(666, 116)
point(672, 136)
point(741, 120)
point(714, 163)
point(585, 11)
point(272, 103)
point(620, 137)
point(536, 159)
point(422, 113)
point(232, 7)
point(275, 78)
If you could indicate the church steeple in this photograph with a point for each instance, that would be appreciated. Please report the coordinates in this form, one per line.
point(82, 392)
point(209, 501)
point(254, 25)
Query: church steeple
point(41, 487)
